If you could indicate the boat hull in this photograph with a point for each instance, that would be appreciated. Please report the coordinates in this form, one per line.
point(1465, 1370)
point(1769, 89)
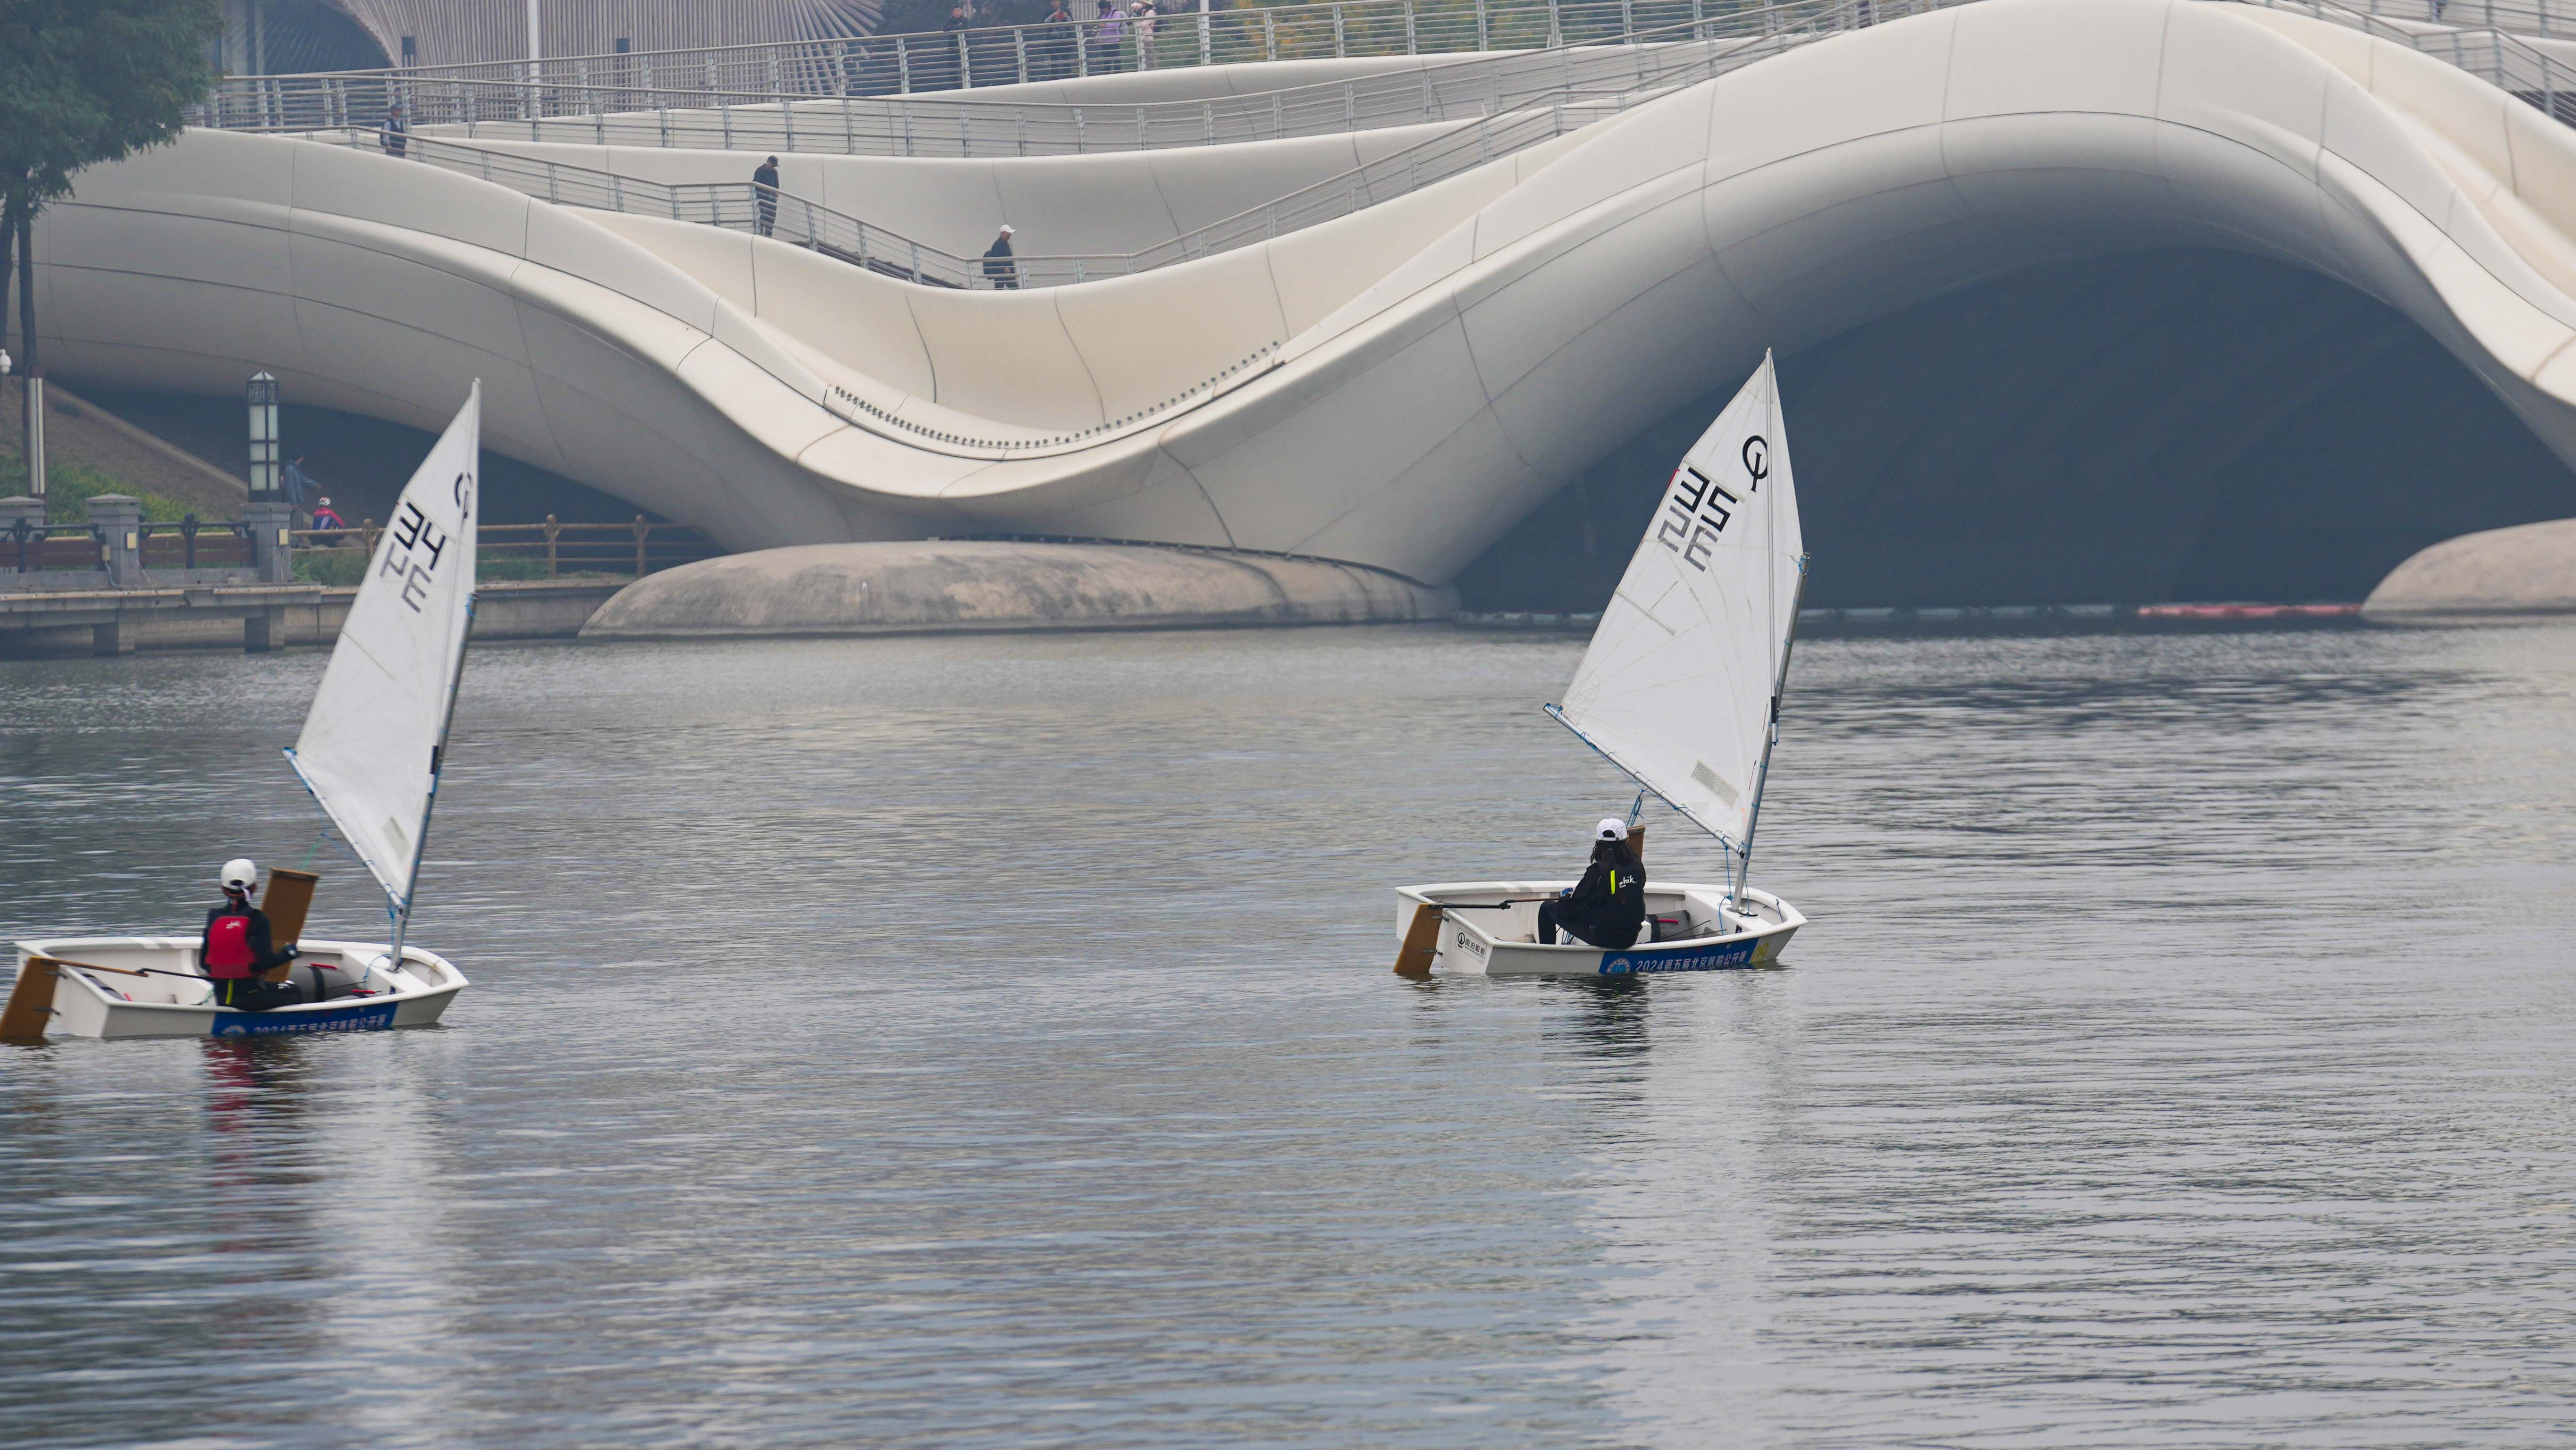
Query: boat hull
point(1487, 942)
point(103, 1004)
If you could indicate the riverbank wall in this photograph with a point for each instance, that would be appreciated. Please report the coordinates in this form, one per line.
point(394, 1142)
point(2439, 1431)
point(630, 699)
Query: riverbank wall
point(120, 621)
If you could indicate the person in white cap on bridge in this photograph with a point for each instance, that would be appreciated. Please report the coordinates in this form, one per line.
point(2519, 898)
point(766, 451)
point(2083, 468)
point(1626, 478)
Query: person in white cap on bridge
point(1607, 908)
point(999, 269)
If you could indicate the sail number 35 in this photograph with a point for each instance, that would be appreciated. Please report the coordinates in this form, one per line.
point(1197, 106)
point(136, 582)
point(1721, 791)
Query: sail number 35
point(1694, 513)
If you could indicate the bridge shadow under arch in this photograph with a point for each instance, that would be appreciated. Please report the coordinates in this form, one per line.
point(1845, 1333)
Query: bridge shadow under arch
point(2180, 424)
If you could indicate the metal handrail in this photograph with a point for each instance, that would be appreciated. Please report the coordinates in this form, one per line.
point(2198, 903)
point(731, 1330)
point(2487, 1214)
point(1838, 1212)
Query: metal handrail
point(973, 128)
point(1501, 123)
point(646, 544)
point(23, 541)
point(948, 62)
point(1504, 114)
point(2532, 17)
point(967, 128)
point(2508, 62)
point(1590, 84)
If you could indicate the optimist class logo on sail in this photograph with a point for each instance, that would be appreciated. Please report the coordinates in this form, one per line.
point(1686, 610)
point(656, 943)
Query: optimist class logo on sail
point(412, 534)
point(1696, 516)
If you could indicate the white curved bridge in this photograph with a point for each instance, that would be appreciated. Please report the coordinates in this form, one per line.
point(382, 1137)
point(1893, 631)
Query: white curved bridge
point(1393, 382)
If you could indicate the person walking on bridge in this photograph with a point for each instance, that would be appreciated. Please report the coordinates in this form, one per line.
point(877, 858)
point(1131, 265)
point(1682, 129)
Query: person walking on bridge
point(296, 485)
point(999, 268)
point(1144, 13)
point(764, 191)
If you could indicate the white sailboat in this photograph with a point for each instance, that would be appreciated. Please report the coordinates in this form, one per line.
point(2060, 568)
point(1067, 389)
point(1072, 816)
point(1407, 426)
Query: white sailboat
point(371, 750)
point(1681, 690)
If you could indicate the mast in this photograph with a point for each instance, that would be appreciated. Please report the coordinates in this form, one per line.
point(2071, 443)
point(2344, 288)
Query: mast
point(1762, 774)
point(438, 764)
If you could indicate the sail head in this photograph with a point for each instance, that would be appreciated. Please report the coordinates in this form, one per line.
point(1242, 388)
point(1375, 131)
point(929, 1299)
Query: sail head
point(369, 744)
point(1678, 686)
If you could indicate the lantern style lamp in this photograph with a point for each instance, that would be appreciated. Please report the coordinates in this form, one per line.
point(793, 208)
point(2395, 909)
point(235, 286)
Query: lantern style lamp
point(265, 464)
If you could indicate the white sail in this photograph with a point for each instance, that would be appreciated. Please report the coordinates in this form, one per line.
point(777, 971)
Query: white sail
point(368, 751)
point(1678, 686)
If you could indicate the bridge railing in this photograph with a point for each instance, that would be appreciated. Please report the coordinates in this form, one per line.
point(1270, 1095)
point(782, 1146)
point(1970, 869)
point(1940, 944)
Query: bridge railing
point(547, 550)
point(900, 65)
point(1506, 115)
point(2529, 17)
point(1020, 128)
point(2510, 63)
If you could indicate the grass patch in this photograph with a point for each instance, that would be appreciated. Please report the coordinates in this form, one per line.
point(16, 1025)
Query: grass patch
point(333, 569)
point(509, 569)
point(70, 485)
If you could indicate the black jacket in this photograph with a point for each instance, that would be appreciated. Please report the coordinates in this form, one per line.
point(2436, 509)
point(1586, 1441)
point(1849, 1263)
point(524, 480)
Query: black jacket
point(997, 259)
point(765, 177)
point(1608, 905)
point(263, 946)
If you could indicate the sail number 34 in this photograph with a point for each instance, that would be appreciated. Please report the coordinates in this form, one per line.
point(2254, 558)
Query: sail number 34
point(417, 548)
point(1695, 515)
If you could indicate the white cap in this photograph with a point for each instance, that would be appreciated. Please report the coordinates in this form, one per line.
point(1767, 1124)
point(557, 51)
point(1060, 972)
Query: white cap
point(1007, 229)
point(1611, 829)
point(240, 874)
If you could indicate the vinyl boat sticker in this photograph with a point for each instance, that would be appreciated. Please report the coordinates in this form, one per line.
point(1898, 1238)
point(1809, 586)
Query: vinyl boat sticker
point(374, 1018)
point(1705, 959)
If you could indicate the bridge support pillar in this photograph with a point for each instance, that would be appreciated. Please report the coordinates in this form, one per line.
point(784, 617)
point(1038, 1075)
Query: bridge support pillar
point(118, 521)
point(115, 637)
point(270, 545)
point(263, 630)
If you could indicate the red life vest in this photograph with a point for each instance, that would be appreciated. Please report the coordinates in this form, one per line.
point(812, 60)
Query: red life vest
point(227, 950)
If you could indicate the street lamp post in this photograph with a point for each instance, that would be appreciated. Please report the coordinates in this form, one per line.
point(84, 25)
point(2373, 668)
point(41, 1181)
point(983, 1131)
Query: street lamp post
point(264, 460)
point(34, 387)
point(268, 513)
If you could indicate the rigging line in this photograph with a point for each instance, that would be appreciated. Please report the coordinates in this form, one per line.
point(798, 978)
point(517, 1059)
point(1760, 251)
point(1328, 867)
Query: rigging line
point(1558, 715)
point(320, 835)
point(345, 838)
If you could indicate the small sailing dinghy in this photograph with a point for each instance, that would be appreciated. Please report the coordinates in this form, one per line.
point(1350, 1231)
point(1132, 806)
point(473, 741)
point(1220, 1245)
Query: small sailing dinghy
point(1681, 690)
point(370, 753)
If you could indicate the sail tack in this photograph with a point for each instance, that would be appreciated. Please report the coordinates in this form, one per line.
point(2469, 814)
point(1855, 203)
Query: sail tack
point(1678, 685)
point(368, 742)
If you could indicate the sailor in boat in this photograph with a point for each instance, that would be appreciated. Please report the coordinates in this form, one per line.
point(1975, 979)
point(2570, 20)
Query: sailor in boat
point(1607, 908)
point(237, 947)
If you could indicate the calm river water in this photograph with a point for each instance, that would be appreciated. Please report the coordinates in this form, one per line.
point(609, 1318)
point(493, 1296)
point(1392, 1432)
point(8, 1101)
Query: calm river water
point(990, 1042)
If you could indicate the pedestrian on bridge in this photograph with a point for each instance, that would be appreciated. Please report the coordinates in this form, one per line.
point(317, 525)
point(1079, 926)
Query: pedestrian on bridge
point(999, 268)
point(295, 483)
point(1144, 12)
point(396, 135)
point(764, 191)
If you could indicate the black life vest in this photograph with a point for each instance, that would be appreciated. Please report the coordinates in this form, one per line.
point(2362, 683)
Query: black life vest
point(227, 955)
point(1627, 906)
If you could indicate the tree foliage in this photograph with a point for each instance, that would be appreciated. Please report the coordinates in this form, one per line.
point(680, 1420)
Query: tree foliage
point(86, 81)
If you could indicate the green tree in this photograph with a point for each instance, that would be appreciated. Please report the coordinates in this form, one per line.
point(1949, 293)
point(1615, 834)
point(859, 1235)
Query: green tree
point(81, 82)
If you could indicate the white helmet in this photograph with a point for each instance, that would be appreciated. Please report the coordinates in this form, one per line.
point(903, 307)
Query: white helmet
point(240, 874)
point(1611, 829)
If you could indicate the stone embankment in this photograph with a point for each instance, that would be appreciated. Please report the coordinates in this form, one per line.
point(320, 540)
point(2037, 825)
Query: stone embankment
point(120, 621)
point(964, 585)
point(2529, 569)
point(817, 589)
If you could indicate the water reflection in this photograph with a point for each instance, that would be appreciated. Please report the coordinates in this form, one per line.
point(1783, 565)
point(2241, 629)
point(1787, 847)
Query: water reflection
point(984, 1042)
